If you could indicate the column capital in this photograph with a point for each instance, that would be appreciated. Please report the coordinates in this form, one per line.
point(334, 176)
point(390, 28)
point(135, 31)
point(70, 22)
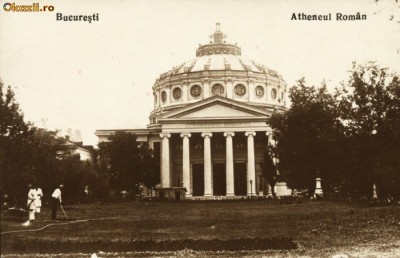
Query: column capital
point(229, 134)
point(250, 133)
point(186, 135)
point(268, 133)
point(165, 135)
point(207, 134)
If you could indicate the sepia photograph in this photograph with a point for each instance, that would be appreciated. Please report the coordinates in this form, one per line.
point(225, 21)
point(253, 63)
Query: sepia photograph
point(213, 128)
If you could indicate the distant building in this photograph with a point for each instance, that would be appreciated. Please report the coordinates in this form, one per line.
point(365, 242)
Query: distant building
point(74, 145)
point(209, 126)
point(85, 152)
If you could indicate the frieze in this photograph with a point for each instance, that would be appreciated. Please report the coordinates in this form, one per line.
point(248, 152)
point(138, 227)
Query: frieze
point(208, 125)
point(184, 80)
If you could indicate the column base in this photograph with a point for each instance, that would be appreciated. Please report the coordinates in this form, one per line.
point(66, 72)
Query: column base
point(230, 194)
point(188, 195)
point(318, 191)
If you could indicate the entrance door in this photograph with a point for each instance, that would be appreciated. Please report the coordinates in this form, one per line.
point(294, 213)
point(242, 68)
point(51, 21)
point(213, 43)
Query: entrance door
point(240, 179)
point(198, 179)
point(219, 179)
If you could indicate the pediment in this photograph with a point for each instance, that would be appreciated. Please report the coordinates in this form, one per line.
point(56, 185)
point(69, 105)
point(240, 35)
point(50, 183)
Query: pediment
point(216, 108)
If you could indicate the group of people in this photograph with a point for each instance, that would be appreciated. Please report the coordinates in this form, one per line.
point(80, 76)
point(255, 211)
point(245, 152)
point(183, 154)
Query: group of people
point(34, 203)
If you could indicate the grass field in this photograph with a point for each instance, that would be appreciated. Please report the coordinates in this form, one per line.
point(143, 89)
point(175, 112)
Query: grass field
point(235, 228)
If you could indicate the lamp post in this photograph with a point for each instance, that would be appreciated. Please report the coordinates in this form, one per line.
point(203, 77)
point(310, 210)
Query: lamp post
point(374, 193)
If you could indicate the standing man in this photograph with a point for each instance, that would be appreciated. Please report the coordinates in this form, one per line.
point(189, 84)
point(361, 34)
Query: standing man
point(38, 200)
point(31, 204)
point(55, 201)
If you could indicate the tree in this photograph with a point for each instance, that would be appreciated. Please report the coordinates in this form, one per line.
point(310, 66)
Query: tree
point(370, 109)
point(151, 167)
point(127, 161)
point(308, 135)
point(15, 135)
point(350, 139)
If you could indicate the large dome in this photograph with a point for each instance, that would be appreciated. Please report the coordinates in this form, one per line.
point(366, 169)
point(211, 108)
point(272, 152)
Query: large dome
point(218, 69)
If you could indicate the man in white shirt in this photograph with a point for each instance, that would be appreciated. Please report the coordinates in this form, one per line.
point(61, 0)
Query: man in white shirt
point(38, 200)
point(31, 205)
point(55, 201)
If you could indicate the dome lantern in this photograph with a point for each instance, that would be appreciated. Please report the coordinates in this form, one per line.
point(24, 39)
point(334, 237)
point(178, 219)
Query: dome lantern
point(218, 45)
point(218, 36)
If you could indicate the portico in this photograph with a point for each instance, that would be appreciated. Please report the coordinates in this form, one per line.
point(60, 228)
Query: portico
point(202, 144)
point(208, 161)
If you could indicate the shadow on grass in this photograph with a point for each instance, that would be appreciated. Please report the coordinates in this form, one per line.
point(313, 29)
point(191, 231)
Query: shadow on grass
point(36, 246)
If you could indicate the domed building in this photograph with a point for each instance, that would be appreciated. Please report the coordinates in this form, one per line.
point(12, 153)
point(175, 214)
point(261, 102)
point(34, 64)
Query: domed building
point(209, 123)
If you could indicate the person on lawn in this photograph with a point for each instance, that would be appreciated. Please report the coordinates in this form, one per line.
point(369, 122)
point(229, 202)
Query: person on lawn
point(31, 204)
point(38, 200)
point(55, 201)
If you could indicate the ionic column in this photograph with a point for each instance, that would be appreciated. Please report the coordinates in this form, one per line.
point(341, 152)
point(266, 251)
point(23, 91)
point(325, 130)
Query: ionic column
point(186, 163)
point(251, 170)
point(230, 175)
point(165, 166)
point(207, 164)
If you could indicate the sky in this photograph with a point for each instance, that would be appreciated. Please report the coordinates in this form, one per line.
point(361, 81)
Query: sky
point(99, 75)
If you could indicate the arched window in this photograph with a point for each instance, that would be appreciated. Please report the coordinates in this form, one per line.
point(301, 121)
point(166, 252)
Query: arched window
point(163, 97)
point(273, 93)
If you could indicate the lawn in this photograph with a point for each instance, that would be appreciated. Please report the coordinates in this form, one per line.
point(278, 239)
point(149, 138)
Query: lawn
point(212, 228)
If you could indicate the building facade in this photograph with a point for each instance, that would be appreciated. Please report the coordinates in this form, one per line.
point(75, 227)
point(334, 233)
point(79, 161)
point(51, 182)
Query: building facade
point(72, 148)
point(209, 122)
